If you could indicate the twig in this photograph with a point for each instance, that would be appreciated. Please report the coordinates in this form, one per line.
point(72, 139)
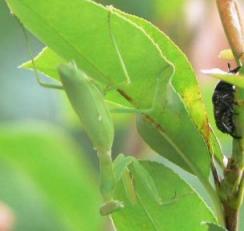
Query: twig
point(231, 191)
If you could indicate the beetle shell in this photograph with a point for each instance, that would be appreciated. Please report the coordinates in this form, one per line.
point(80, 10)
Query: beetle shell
point(223, 102)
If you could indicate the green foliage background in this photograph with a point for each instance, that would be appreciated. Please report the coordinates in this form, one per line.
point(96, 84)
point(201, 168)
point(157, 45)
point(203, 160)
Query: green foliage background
point(22, 101)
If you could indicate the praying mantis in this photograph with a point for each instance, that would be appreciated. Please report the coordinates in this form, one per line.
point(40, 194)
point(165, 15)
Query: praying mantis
point(88, 102)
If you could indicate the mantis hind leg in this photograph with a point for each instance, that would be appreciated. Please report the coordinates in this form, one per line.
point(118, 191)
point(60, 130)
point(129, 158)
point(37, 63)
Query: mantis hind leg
point(38, 78)
point(157, 95)
point(116, 47)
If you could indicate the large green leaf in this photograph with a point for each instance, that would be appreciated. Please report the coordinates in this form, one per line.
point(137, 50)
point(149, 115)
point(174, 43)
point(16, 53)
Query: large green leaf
point(184, 81)
point(181, 207)
point(181, 148)
point(56, 173)
point(111, 51)
point(159, 143)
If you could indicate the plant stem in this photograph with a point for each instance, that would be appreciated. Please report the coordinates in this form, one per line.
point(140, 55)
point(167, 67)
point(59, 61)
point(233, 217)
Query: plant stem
point(232, 23)
point(216, 201)
point(231, 189)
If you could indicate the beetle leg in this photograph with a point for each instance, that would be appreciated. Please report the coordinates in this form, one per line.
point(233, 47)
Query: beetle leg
point(235, 70)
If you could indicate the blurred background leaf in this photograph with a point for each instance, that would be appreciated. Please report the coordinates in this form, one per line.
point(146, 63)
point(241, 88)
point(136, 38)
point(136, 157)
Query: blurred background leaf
point(46, 181)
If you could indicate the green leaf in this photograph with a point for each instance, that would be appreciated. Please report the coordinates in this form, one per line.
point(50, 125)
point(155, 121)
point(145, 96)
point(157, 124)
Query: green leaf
point(237, 80)
point(121, 172)
point(214, 227)
point(181, 208)
point(114, 51)
point(121, 169)
point(177, 146)
point(145, 177)
point(55, 171)
point(159, 143)
point(184, 81)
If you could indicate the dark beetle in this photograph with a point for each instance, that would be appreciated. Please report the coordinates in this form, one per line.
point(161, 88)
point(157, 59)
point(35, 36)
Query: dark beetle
point(223, 102)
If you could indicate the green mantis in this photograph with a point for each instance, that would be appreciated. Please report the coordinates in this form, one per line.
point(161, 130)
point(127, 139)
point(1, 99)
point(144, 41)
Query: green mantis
point(88, 102)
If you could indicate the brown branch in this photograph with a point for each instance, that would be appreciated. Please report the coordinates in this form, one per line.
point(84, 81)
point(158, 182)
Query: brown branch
point(231, 187)
point(232, 23)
